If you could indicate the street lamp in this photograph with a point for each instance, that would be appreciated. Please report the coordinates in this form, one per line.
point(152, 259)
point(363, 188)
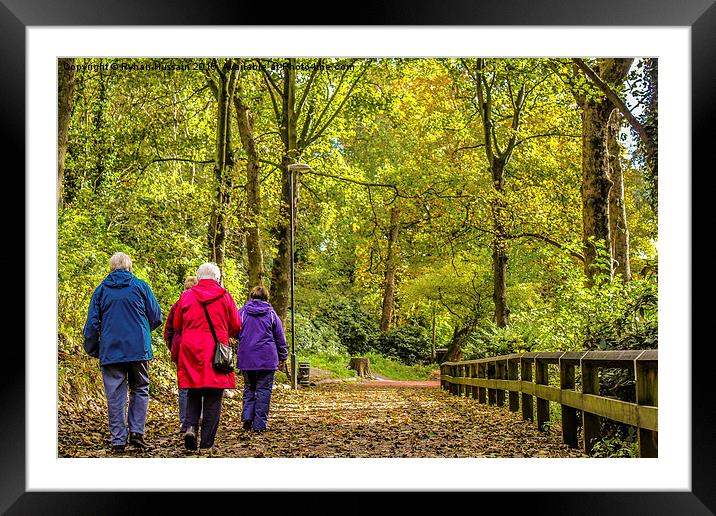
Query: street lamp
point(293, 167)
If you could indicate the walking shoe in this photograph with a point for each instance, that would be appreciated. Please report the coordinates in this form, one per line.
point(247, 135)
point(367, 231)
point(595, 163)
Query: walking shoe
point(190, 438)
point(211, 450)
point(247, 424)
point(118, 448)
point(137, 440)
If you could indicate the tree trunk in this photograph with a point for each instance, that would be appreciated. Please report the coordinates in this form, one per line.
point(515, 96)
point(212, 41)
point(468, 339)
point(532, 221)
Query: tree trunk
point(99, 137)
point(281, 270)
point(454, 352)
point(651, 70)
point(499, 292)
point(617, 209)
point(65, 91)
point(253, 192)
point(596, 183)
point(390, 266)
point(498, 159)
point(361, 365)
point(312, 129)
point(499, 248)
point(432, 346)
point(223, 167)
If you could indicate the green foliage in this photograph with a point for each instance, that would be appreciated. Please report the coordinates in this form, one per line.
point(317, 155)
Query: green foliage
point(317, 336)
point(573, 316)
point(617, 446)
point(489, 340)
point(409, 344)
point(356, 328)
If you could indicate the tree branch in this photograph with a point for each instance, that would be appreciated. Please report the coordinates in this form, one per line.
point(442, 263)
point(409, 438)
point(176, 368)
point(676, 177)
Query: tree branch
point(158, 160)
point(617, 102)
point(547, 239)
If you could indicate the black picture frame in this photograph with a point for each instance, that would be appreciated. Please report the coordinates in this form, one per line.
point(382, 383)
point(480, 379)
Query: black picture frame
point(700, 15)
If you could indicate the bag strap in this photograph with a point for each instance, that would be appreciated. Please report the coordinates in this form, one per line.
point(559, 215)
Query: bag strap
point(211, 326)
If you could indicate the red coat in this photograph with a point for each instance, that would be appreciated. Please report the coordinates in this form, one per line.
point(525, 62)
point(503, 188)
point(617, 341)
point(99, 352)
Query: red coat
point(196, 351)
point(172, 338)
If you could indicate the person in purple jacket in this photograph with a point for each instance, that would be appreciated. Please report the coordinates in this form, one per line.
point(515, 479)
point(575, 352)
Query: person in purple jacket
point(262, 350)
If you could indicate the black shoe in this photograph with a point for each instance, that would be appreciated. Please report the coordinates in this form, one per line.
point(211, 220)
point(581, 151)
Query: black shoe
point(247, 425)
point(118, 448)
point(190, 438)
point(137, 440)
point(259, 431)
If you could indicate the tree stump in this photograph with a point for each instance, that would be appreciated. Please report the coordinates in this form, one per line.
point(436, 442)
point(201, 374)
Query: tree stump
point(361, 366)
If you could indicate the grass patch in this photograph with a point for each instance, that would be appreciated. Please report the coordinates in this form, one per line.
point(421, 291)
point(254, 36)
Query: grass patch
point(335, 363)
point(397, 370)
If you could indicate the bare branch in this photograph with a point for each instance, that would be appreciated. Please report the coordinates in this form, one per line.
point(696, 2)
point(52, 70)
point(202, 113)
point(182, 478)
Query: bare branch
point(321, 129)
point(159, 160)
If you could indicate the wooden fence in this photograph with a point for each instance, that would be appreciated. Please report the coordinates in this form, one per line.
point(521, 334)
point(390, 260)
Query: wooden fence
point(526, 375)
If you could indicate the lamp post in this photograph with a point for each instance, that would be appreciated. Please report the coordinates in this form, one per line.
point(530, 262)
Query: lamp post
point(292, 168)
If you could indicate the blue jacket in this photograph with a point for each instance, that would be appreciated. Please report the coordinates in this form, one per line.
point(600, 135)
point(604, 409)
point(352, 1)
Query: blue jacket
point(262, 342)
point(122, 313)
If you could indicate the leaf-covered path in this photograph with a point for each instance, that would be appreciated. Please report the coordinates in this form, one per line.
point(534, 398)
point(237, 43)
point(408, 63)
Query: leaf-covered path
point(342, 419)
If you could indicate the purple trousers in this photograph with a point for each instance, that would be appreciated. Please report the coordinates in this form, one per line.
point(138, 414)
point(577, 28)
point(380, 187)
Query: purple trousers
point(257, 397)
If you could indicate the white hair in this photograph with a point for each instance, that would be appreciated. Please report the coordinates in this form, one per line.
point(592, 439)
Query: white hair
point(208, 270)
point(120, 261)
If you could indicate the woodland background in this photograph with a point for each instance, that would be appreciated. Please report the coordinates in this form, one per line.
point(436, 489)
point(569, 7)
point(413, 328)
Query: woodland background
point(479, 206)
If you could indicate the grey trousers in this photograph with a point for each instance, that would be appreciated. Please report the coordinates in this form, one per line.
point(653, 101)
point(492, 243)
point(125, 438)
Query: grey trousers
point(117, 377)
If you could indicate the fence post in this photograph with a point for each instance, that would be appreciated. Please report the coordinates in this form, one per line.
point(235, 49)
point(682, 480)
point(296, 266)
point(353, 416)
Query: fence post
point(592, 425)
point(570, 430)
point(463, 375)
point(512, 374)
point(491, 393)
point(473, 374)
point(542, 378)
point(526, 376)
point(481, 391)
point(645, 374)
point(458, 373)
point(501, 374)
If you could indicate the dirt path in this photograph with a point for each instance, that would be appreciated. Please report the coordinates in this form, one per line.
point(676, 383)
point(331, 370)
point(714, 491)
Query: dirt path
point(379, 418)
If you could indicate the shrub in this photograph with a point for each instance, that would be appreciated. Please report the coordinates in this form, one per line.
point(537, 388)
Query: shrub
point(314, 336)
point(356, 329)
point(410, 344)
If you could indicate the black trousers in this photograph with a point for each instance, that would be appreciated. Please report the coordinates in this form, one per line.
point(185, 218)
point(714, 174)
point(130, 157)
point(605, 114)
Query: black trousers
point(209, 400)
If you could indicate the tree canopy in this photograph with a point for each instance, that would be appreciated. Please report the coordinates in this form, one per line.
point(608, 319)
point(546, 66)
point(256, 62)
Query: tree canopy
point(450, 203)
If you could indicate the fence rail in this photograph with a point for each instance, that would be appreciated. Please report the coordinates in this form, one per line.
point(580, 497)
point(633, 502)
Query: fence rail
point(525, 376)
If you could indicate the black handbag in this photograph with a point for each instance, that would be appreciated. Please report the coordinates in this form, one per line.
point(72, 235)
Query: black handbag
point(224, 354)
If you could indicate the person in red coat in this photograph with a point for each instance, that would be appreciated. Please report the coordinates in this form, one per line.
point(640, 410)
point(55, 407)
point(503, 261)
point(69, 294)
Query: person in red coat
point(173, 340)
point(194, 369)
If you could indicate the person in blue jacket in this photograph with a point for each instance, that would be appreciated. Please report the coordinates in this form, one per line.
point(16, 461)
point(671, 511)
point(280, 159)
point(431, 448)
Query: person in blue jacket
point(122, 314)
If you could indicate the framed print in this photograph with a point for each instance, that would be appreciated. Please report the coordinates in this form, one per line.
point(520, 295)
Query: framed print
point(34, 34)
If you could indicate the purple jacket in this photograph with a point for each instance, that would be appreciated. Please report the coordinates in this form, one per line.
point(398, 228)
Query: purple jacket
point(261, 339)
